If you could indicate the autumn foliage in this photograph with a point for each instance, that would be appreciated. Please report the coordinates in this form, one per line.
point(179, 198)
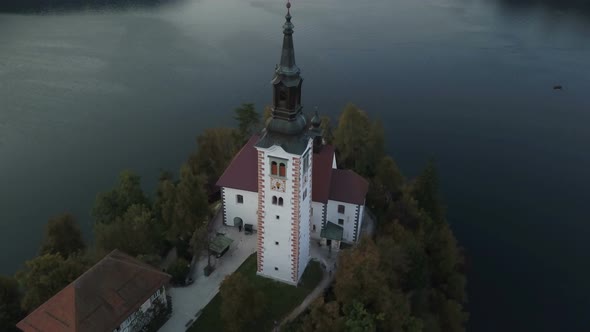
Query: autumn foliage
point(409, 276)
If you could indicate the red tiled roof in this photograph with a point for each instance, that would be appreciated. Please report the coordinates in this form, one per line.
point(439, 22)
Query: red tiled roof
point(348, 187)
point(242, 172)
point(100, 299)
point(340, 185)
point(322, 174)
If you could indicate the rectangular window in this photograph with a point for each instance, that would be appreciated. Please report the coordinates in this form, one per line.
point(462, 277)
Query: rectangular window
point(340, 221)
point(304, 194)
point(240, 199)
point(305, 163)
point(340, 208)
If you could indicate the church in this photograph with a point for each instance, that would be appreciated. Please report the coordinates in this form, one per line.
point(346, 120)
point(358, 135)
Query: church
point(285, 183)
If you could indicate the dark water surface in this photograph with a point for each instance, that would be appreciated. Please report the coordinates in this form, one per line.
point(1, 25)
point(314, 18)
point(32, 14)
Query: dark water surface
point(85, 95)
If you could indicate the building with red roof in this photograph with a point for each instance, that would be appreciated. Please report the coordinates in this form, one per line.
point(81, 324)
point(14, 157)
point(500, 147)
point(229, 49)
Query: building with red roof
point(284, 182)
point(119, 293)
point(337, 195)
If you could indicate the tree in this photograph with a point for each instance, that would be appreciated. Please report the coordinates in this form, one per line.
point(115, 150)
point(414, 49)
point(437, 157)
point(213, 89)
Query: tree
point(389, 175)
point(327, 131)
point(215, 150)
point(324, 317)
point(134, 233)
point(191, 208)
point(358, 277)
point(63, 236)
point(248, 122)
point(445, 261)
point(46, 275)
point(10, 311)
point(359, 142)
point(406, 211)
point(114, 203)
point(163, 207)
point(385, 187)
point(241, 303)
point(179, 270)
point(361, 278)
point(426, 192)
point(200, 240)
point(358, 319)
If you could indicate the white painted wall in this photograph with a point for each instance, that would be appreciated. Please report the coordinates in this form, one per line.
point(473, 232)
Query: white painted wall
point(317, 219)
point(246, 210)
point(277, 230)
point(280, 230)
point(361, 219)
point(127, 325)
point(305, 206)
point(348, 217)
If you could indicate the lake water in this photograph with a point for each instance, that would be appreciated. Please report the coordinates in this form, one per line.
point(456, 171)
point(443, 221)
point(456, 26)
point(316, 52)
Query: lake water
point(85, 95)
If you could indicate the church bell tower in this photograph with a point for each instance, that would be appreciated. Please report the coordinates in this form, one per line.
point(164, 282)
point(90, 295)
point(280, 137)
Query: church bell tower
point(285, 152)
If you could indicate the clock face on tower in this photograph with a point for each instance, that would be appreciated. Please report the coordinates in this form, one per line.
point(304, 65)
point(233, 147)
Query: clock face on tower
point(277, 185)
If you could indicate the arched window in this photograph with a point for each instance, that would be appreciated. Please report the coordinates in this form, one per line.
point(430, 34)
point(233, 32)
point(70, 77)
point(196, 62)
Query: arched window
point(282, 169)
point(282, 98)
point(273, 168)
point(280, 201)
point(274, 200)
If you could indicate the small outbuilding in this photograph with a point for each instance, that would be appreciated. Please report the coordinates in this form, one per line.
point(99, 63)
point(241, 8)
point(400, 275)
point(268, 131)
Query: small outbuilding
point(332, 235)
point(219, 245)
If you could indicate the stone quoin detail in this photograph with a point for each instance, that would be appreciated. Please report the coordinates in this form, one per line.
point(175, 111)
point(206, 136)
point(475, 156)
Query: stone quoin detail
point(289, 181)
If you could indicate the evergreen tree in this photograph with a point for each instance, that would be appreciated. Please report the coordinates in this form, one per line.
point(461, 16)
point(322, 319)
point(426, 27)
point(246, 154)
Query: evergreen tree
point(114, 203)
point(426, 192)
point(215, 150)
point(359, 142)
point(62, 236)
point(10, 311)
point(248, 122)
point(191, 208)
point(134, 233)
point(324, 317)
point(46, 275)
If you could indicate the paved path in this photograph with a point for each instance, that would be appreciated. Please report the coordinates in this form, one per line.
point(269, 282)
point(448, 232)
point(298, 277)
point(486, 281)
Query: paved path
point(328, 261)
point(187, 301)
point(317, 292)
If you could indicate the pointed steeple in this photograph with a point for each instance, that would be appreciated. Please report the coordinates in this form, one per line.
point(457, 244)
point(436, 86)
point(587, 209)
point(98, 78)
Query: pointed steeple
point(288, 66)
point(288, 126)
point(287, 120)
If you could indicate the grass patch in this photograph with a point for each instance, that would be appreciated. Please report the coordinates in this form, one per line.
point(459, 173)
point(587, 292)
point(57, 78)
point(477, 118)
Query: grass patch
point(281, 298)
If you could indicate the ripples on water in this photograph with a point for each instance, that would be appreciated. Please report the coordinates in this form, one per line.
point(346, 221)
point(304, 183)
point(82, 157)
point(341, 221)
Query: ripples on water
point(86, 94)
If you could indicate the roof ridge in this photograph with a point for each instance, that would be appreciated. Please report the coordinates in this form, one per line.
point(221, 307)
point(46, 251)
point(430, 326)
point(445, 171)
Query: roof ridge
point(140, 265)
point(241, 149)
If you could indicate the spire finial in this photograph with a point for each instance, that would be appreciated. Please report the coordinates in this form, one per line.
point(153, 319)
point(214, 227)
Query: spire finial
point(288, 17)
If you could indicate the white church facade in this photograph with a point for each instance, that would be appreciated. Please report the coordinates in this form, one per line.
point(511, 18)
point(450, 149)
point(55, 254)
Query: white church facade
point(286, 184)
